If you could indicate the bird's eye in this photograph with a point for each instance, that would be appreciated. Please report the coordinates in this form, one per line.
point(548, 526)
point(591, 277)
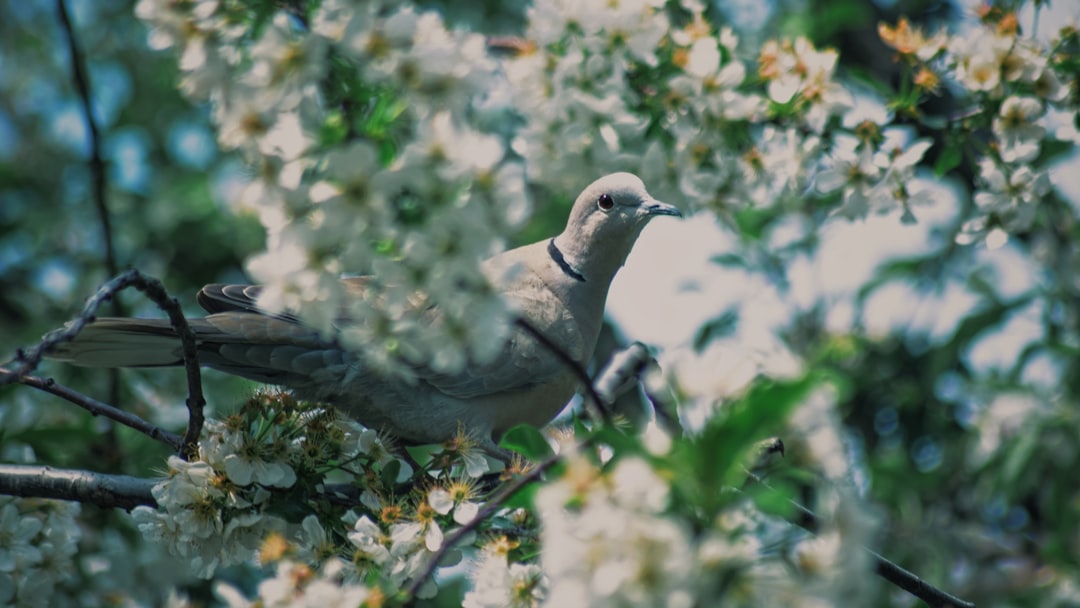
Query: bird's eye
point(605, 202)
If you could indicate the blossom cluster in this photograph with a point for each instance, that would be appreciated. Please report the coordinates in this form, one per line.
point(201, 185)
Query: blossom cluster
point(394, 538)
point(38, 541)
point(610, 536)
point(194, 523)
point(606, 86)
point(874, 169)
point(380, 547)
point(384, 143)
point(606, 541)
point(379, 168)
point(380, 144)
point(1017, 79)
point(622, 85)
point(501, 582)
point(297, 584)
point(595, 80)
point(571, 83)
point(388, 521)
point(217, 510)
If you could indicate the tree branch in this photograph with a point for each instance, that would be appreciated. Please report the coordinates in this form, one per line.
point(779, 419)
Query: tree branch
point(27, 361)
point(609, 384)
point(571, 364)
point(106, 491)
point(910, 582)
point(98, 408)
point(97, 168)
point(621, 372)
point(883, 567)
point(490, 507)
point(97, 164)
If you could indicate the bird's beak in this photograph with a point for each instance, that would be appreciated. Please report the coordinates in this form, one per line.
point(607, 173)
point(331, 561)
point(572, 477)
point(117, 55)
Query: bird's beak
point(658, 208)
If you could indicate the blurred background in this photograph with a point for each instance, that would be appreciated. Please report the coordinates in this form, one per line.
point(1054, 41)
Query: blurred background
point(963, 413)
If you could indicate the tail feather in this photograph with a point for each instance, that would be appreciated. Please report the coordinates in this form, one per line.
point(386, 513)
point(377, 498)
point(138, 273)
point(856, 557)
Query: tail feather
point(254, 346)
point(112, 342)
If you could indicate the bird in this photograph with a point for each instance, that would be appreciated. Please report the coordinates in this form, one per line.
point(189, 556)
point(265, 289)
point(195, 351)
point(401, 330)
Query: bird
point(557, 286)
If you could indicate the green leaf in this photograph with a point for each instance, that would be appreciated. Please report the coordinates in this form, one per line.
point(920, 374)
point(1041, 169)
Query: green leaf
point(934, 122)
point(729, 259)
point(775, 499)
point(872, 80)
point(950, 159)
point(523, 498)
point(753, 222)
point(706, 468)
point(390, 472)
point(620, 442)
point(1018, 457)
point(526, 440)
point(424, 453)
point(720, 326)
point(829, 18)
point(334, 129)
point(1052, 149)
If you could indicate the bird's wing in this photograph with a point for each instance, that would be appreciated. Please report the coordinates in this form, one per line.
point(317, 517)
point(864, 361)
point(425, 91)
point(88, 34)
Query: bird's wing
point(240, 338)
point(217, 298)
point(229, 298)
point(523, 362)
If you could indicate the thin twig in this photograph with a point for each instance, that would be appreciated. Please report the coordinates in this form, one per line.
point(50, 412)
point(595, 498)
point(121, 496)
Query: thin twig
point(97, 169)
point(490, 507)
point(883, 567)
point(27, 361)
point(98, 408)
point(97, 164)
point(612, 379)
point(107, 491)
point(908, 581)
point(621, 372)
point(571, 364)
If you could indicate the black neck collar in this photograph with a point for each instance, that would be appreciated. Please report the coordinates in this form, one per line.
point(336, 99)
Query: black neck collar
point(557, 255)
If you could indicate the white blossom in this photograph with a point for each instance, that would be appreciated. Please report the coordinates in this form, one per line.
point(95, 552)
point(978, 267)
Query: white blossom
point(297, 585)
point(850, 168)
point(614, 547)
point(245, 469)
point(38, 540)
point(1011, 192)
point(500, 584)
point(16, 532)
point(1018, 129)
point(369, 538)
point(978, 59)
point(266, 102)
point(779, 166)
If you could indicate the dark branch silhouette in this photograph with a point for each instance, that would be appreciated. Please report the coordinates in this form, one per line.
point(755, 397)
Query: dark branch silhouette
point(97, 168)
point(106, 491)
point(491, 506)
point(27, 361)
point(125, 492)
point(604, 390)
point(98, 408)
point(579, 371)
point(883, 567)
point(97, 164)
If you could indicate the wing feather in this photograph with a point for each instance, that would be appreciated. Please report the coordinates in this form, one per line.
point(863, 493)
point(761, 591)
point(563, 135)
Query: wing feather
point(522, 363)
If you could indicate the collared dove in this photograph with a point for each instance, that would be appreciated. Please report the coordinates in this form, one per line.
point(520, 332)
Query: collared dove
point(559, 286)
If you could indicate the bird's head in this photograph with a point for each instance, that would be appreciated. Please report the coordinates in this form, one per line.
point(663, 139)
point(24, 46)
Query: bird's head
point(607, 218)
